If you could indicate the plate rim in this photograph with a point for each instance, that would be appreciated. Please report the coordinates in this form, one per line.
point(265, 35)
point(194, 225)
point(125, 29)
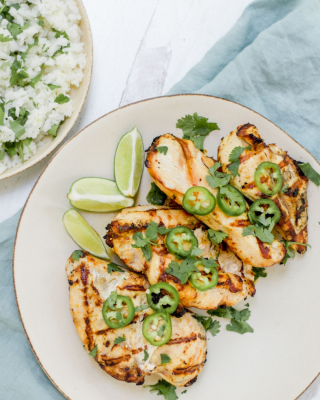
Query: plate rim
point(84, 16)
point(67, 142)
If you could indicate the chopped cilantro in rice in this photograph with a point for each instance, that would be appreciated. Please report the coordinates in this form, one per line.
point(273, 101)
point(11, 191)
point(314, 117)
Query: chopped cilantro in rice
point(41, 57)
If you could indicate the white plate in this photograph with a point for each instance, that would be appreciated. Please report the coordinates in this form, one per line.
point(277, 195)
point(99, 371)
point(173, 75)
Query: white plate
point(77, 94)
point(278, 361)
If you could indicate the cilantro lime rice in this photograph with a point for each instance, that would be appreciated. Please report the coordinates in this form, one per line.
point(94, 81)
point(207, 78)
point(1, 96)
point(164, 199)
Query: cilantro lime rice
point(41, 57)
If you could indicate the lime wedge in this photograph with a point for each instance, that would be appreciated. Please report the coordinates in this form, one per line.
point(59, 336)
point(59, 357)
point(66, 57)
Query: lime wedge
point(83, 234)
point(128, 162)
point(97, 195)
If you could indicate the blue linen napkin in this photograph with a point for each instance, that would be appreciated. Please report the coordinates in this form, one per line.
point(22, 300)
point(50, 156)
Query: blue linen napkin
point(269, 62)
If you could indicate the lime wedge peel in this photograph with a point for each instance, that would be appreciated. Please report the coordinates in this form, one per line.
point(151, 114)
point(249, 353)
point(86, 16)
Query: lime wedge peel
point(128, 162)
point(97, 195)
point(83, 234)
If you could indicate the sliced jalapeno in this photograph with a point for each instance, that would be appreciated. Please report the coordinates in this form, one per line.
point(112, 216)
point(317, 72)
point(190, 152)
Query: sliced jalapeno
point(117, 311)
point(157, 328)
point(268, 178)
point(163, 297)
point(231, 201)
point(180, 241)
point(205, 279)
point(198, 200)
point(265, 213)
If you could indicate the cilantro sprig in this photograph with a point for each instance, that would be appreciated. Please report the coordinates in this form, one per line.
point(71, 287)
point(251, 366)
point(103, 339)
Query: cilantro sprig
point(216, 178)
point(234, 159)
point(310, 173)
point(77, 254)
point(290, 252)
point(238, 321)
point(162, 149)
point(165, 388)
point(216, 237)
point(119, 339)
point(146, 355)
point(156, 196)
point(186, 267)
point(165, 359)
point(259, 273)
point(93, 352)
point(196, 128)
point(209, 325)
point(143, 242)
point(261, 233)
point(114, 267)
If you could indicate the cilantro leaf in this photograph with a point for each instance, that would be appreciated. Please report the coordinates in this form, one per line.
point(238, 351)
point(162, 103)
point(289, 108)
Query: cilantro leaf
point(209, 263)
point(119, 339)
point(184, 392)
point(53, 131)
point(146, 355)
point(152, 231)
point(165, 388)
point(156, 196)
point(144, 244)
point(40, 22)
point(234, 159)
point(222, 312)
point(142, 307)
point(196, 128)
point(16, 29)
point(162, 230)
point(37, 78)
point(284, 188)
point(162, 149)
point(290, 252)
point(94, 351)
point(216, 237)
point(62, 99)
point(234, 168)
point(261, 233)
point(18, 129)
point(53, 87)
point(310, 173)
point(17, 78)
point(259, 273)
point(1, 155)
point(4, 39)
point(183, 270)
point(216, 178)
point(239, 327)
point(165, 359)
point(60, 33)
point(209, 325)
point(114, 267)
point(77, 254)
point(5, 64)
point(238, 319)
point(1, 117)
point(195, 252)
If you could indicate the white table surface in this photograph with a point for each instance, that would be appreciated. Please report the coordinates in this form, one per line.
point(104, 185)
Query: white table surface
point(141, 48)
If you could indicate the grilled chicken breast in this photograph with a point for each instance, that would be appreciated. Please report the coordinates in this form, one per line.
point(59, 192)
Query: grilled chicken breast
point(185, 166)
point(90, 285)
point(235, 278)
point(292, 203)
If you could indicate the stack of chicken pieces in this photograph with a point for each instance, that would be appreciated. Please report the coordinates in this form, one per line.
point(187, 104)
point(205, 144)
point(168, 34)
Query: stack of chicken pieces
point(182, 167)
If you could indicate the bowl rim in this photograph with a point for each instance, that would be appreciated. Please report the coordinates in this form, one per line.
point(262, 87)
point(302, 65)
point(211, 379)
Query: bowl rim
point(77, 134)
point(59, 139)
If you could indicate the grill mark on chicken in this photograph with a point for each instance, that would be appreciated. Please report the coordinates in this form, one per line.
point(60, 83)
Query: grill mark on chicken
point(114, 361)
point(134, 288)
point(191, 382)
point(102, 332)
point(240, 223)
point(84, 274)
point(186, 370)
point(186, 339)
point(265, 251)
